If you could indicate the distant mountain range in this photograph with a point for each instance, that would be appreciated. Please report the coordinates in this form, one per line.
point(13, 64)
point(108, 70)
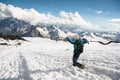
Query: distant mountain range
point(18, 27)
point(21, 28)
point(13, 26)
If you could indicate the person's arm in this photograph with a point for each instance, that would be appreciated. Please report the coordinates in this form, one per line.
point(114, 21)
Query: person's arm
point(71, 40)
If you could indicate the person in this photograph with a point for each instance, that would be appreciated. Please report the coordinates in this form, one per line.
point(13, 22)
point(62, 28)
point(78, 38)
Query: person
point(78, 49)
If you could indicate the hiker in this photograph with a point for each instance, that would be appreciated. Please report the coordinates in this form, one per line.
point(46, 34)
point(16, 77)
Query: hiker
point(78, 48)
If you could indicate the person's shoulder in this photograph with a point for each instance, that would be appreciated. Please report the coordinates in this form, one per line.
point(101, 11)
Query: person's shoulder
point(68, 37)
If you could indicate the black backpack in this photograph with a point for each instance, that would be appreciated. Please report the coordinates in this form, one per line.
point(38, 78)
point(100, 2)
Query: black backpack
point(79, 45)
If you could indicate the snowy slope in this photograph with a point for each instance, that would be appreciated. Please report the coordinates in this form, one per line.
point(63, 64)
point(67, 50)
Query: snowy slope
point(44, 59)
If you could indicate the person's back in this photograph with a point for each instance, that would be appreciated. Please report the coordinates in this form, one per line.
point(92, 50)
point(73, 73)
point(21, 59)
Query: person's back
point(78, 46)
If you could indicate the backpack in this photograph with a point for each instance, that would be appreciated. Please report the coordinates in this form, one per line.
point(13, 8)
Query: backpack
point(79, 45)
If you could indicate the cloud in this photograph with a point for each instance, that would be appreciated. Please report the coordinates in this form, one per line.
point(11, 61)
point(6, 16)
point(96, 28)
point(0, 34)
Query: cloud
point(72, 18)
point(29, 15)
point(99, 12)
point(34, 17)
point(115, 20)
point(115, 23)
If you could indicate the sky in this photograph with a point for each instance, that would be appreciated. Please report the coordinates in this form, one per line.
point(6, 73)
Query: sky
point(95, 14)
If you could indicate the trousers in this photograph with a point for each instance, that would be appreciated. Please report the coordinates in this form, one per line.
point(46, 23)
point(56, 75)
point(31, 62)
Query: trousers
point(75, 58)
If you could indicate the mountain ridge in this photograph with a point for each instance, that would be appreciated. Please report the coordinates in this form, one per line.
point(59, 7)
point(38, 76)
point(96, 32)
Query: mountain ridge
point(24, 29)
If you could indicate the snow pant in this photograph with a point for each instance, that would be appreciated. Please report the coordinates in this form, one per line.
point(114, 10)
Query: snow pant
point(76, 56)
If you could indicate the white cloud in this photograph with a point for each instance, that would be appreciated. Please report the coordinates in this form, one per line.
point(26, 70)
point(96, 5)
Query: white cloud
point(29, 15)
point(34, 17)
point(72, 18)
point(115, 23)
point(65, 18)
point(99, 12)
point(115, 20)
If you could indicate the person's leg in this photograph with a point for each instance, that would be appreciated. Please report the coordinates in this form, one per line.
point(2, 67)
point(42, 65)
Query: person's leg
point(75, 63)
point(75, 58)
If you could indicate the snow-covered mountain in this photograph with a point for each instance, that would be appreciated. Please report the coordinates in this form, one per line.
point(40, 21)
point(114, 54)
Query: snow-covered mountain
point(54, 32)
point(45, 59)
point(22, 28)
point(18, 27)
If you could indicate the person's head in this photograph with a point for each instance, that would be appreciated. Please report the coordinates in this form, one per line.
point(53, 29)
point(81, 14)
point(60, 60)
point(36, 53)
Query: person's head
point(84, 40)
point(77, 37)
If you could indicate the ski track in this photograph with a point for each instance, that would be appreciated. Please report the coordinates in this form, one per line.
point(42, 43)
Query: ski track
point(36, 61)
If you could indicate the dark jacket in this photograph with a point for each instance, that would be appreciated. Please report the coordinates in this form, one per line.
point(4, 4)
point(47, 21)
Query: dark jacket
point(78, 44)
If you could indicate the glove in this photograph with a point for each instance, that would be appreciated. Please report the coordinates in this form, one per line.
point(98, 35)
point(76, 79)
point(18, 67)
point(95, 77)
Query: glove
point(64, 39)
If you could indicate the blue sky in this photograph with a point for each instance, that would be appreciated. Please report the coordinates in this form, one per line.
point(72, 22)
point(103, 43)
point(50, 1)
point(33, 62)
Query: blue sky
point(55, 6)
point(94, 11)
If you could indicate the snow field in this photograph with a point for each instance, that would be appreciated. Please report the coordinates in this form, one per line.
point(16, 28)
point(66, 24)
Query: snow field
point(44, 59)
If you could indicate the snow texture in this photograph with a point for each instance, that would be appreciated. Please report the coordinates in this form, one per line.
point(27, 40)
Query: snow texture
point(45, 59)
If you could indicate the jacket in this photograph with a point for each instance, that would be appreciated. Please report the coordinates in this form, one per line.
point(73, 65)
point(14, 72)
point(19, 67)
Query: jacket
point(78, 48)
